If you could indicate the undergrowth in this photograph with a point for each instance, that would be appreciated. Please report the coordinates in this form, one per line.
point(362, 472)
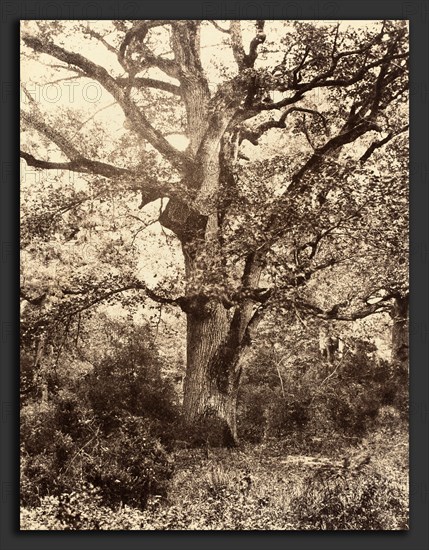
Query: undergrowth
point(255, 488)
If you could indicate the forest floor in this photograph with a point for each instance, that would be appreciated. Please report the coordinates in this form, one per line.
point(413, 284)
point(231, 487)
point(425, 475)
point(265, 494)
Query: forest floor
point(265, 487)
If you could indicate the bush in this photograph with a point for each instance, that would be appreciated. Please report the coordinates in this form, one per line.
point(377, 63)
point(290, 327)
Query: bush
point(44, 451)
point(129, 465)
point(289, 417)
point(128, 382)
point(51, 437)
point(252, 412)
point(74, 511)
point(252, 488)
point(37, 475)
point(60, 448)
point(210, 431)
point(350, 499)
point(312, 401)
point(106, 428)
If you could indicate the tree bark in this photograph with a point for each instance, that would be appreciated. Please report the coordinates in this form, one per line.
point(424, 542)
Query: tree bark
point(215, 335)
point(212, 376)
point(216, 339)
point(213, 344)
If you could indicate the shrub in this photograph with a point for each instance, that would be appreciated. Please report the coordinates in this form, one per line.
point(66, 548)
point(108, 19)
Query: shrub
point(217, 481)
point(252, 413)
point(127, 381)
point(37, 474)
point(106, 426)
point(71, 511)
point(37, 427)
point(51, 437)
point(350, 499)
point(313, 401)
point(289, 417)
point(129, 465)
point(80, 509)
point(210, 431)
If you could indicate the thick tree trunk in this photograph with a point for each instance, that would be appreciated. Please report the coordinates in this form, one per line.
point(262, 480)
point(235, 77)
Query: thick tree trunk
point(214, 335)
point(212, 376)
point(400, 345)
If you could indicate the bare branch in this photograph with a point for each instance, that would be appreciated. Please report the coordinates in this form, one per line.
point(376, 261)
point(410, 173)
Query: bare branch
point(139, 32)
point(96, 295)
point(237, 43)
point(218, 27)
point(35, 120)
point(242, 59)
point(101, 39)
point(314, 243)
point(254, 135)
point(256, 41)
point(79, 164)
point(142, 82)
point(325, 79)
point(335, 314)
point(47, 165)
point(329, 147)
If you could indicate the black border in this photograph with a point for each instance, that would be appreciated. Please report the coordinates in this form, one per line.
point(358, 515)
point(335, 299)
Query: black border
point(417, 12)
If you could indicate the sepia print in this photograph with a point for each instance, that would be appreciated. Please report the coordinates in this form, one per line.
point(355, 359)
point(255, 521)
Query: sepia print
point(214, 275)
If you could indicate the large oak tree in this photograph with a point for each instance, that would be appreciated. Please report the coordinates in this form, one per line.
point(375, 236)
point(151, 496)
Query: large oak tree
point(278, 192)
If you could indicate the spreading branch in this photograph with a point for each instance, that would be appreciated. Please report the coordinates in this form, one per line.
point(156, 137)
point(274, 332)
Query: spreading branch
point(138, 32)
point(139, 121)
point(328, 79)
point(218, 27)
point(332, 145)
point(377, 144)
point(82, 165)
point(335, 313)
point(254, 135)
point(143, 82)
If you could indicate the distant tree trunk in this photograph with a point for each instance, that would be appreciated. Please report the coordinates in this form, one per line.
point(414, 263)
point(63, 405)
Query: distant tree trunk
point(328, 344)
point(400, 338)
point(39, 373)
